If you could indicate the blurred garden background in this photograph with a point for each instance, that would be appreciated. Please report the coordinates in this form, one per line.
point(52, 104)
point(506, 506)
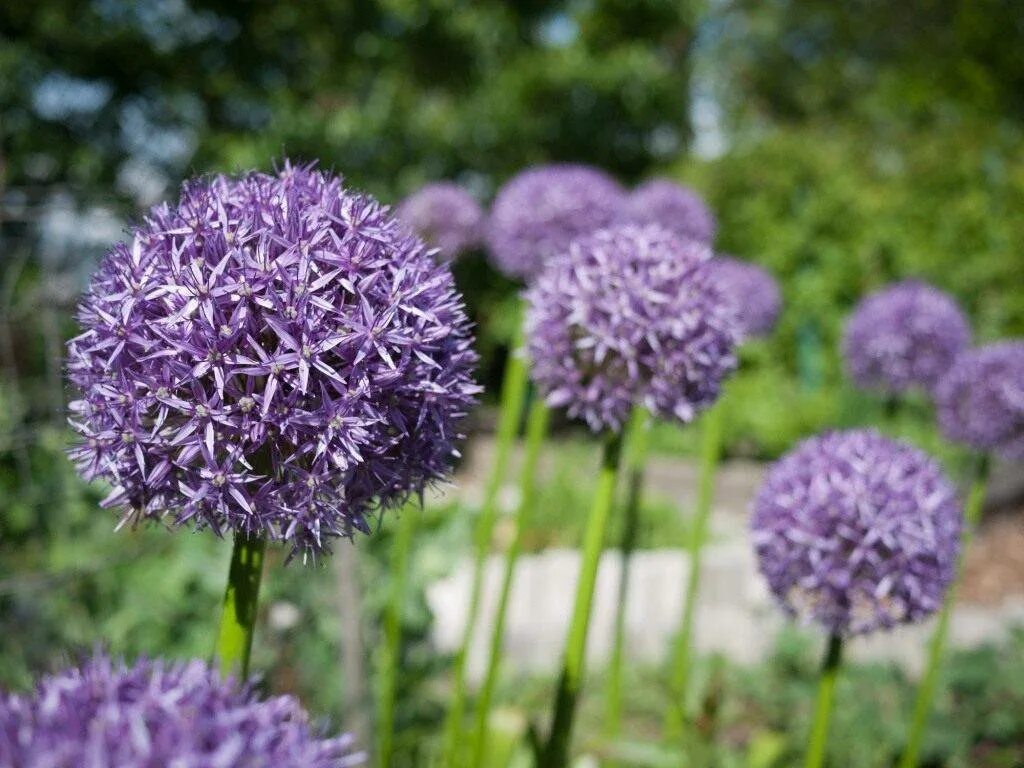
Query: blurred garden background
point(840, 145)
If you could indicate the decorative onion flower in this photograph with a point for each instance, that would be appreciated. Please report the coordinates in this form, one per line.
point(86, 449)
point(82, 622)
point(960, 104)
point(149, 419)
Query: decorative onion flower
point(445, 216)
point(630, 315)
point(156, 715)
point(904, 336)
point(753, 291)
point(675, 207)
point(274, 355)
point(980, 401)
point(857, 532)
point(537, 213)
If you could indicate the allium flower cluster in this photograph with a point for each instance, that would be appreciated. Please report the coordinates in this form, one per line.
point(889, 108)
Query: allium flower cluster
point(156, 715)
point(904, 336)
point(630, 315)
point(980, 401)
point(857, 532)
point(537, 213)
point(675, 207)
point(752, 290)
point(445, 216)
point(274, 354)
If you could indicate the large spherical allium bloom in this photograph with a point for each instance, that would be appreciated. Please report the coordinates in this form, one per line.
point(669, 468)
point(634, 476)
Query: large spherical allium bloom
point(630, 315)
point(156, 715)
point(274, 354)
point(444, 215)
point(857, 532)
point(537, 213)
point(675, 207)
point(980, 402)
point(904, 336)
point(752, 290)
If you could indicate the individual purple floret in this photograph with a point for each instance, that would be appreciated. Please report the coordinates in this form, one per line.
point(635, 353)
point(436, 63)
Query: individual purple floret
point(753, 291)
point(275, 355)
point(980, 402)
point(675, 207)
point(630, 315)
point(537, 213)
point(904, 336)
point(445, 216)
point(159, 715)
point(857, 532)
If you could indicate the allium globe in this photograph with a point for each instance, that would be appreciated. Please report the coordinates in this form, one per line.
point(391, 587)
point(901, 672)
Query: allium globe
point(675, 207)
point(158, 715)
point(980, 402)
point(904, 336)
point(630, 315)
point(445, 216)
point(857, 532)
point(273, 355)
point(752, 290)
point(537, 213)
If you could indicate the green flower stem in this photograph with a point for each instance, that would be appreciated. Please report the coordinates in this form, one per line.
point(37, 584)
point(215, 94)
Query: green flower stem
point(536, 431)
point(637, 434)
point(711, 448)
point(241, 598)
point(555, 753)
point(392, 651)
point(823, 706)
point(926, 689)
point(513, 399)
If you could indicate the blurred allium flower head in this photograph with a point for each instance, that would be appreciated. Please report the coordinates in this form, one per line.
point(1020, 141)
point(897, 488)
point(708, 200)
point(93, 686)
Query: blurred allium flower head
point(537, 213)
point(445, 216)
point(273, 354)
point(752, 290)
point(675, 207)
point(904, 336)
point(857, 532)
point(980, 402)
point(630, 315)
point(156, 715)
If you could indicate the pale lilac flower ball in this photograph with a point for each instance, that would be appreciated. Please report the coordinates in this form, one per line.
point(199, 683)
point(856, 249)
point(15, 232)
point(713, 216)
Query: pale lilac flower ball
point(538, 212)
point(446, 216)
point(903, 337)
point(752, 290)
point(980, 402)
point(159, 715)
point(630, 315)
point(674, 206)
point(857, 532)
point(273, 354)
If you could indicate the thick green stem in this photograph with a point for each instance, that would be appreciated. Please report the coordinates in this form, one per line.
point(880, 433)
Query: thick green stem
point(929, 681)
point(711, 448)
point(556, 750)
point(823, 706)
point(636, 440)
point(241, 599)
point(536, 431)
point(513, 398)
point(392, 651)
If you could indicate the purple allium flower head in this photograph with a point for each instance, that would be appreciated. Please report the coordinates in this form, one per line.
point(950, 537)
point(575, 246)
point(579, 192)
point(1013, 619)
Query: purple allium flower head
point(273, 354)
point(630, 315)
point(155, 715)
point(857, 532)
point(537, 213)
point(675, 207)
point(445, 216)
point(753, 291)
point(904, 336)
point(980, 401)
